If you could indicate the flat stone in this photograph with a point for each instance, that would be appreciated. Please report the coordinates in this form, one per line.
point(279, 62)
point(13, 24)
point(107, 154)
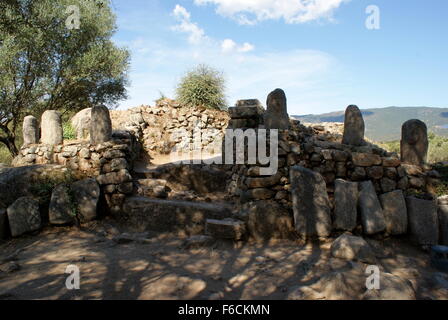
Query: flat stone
point(366, 159)
point(311, 205)
point(24, 216)
point(345, 205)
point(86, 194)
point(395, 212)
point(423, 221)
point(263, 182)
point(62, 210)
point(392, 287)
point(114, 177)
point(225, 229)
point(391, 162)
point(372, 217)
point(259, 194)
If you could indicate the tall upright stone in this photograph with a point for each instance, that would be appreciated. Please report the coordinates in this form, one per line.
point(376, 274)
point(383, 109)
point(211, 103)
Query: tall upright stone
point(414, 142)
point(276, 116)
point(345, 205)
point(395, 212)
point(30, 130)
point(310, 201)
point(423, 221)
point(100, 125)
point(51, 128)
point(354, 127)
point(372, 216)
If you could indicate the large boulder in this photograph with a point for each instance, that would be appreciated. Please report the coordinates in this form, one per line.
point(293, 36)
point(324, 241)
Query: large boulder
point(81, 123)
point(86, 194)
point(62, 210)
point(24, 216)
point(395, 212)
point(372, 217)
point(345, 205)
point(414, 142)
point(392, 287)
point(423, 221)
point(354, 127)
point(51, 128)
point(276, 116)
point(349, 247)
point(311, 205)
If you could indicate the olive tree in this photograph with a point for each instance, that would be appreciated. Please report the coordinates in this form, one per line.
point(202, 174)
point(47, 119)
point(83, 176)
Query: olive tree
point(56, 54)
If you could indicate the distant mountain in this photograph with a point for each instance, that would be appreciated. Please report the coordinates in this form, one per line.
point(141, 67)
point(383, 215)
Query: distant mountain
point(384, 124)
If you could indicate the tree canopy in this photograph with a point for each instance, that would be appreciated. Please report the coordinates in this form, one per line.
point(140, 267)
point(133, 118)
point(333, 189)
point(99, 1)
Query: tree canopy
point(57, 54)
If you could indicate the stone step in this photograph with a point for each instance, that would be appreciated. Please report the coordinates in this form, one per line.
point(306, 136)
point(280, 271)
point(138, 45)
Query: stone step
point(147, 214)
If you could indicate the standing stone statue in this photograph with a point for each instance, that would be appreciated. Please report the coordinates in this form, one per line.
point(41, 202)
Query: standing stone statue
point(51, 127)
point(100, 125)
point(276, 116)
point(30, 130)
point(354, 127)
point(414, 142)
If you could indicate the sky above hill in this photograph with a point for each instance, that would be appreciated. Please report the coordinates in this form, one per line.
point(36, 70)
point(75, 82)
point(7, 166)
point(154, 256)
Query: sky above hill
point(319, 51)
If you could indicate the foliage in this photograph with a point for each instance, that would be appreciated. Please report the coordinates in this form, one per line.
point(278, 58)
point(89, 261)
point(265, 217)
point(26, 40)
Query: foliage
point(46, 65)
point(69, 131)
point(203, 86)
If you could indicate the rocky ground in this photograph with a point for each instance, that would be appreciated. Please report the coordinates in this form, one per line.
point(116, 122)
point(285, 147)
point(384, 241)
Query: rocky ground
point(115, 264)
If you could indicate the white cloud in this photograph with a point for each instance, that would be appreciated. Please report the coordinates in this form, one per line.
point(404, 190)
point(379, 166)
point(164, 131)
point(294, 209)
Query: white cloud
point(230, 46)
point(195, 34)
point(292, 11)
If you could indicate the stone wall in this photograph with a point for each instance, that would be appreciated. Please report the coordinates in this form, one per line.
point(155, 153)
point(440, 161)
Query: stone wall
point(168, 126)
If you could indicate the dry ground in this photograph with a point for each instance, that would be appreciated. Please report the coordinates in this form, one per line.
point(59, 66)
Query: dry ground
point(159, 266)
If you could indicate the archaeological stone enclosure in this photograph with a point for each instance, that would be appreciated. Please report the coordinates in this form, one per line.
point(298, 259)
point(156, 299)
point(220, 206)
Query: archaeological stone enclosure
point(324, 184)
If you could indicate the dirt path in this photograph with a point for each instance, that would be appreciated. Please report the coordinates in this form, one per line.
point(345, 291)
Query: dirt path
point(160, 267)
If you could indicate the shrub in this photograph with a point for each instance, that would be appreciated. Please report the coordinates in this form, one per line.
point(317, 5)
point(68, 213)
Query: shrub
point(69, 131)
point(202, 86)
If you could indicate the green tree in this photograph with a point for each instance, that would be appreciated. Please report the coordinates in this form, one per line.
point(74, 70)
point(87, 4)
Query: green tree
point(202, 86)
point(50, 61)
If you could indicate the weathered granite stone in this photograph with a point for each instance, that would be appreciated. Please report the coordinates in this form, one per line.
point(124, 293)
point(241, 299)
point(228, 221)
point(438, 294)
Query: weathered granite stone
point(372, 217)
point(353, 127)
point(100, 125)
point(81, 123)
point(345, 205)
point(395, 212)
point(443, 222)
point(423, 221)
point(225, 229)
point(24, 216)
point(311, 205)
point(51, 128)
point(3, 223)
point(86, 194)
point(267, 220)
point(414, 142)
point(276, 116)
point(352, 248)
point(30, 131)
point(366, 159)
point(62, 210)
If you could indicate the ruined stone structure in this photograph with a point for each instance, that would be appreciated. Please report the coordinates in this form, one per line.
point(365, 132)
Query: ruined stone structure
point(320, 186)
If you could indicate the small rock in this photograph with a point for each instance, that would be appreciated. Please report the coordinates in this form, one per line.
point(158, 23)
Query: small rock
point(352, 248)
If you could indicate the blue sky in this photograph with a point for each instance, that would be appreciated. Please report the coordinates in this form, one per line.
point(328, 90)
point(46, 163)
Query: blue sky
point(319, 51)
